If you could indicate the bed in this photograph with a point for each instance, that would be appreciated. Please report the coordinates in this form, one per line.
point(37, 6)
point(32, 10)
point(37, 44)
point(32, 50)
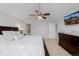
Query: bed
point(26, 45)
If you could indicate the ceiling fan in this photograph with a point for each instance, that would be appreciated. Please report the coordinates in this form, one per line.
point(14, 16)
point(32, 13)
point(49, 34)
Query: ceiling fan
point(39, 15)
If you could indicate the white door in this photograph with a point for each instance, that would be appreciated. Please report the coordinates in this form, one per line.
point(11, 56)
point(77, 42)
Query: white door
point(52, 30)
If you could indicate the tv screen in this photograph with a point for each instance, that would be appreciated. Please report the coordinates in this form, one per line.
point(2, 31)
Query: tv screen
point(72, 18)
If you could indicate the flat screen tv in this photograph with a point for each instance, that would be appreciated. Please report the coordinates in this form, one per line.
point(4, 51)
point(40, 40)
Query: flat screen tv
point(72, 18)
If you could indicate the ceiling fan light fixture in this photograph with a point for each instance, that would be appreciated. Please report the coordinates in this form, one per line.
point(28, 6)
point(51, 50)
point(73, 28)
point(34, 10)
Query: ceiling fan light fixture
point(39, 17)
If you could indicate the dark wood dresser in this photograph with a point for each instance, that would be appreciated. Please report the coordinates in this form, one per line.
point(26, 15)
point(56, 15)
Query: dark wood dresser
point(70, 43)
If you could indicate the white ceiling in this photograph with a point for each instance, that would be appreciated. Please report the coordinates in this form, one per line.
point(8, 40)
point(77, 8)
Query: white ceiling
point(22, 10)
point(58, 10)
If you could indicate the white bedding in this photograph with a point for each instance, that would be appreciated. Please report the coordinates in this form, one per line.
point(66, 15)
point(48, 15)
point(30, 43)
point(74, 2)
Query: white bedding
point(29, 45)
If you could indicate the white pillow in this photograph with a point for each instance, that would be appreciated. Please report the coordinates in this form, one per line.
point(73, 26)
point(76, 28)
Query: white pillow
point(10, 32)
point(12, 35)
point(1, 37)
point(7, 32)
point(18, 37)
point(9, 35)
point(16, 32)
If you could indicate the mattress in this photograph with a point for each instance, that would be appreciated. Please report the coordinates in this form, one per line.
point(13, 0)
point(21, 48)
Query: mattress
point(29, 45)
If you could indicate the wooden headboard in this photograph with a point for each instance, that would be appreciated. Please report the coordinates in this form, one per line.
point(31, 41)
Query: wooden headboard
point(7, 28)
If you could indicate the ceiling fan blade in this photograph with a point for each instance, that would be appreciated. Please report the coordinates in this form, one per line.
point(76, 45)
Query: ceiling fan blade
point(32, 15)
point(44, 17)
point(46, 14)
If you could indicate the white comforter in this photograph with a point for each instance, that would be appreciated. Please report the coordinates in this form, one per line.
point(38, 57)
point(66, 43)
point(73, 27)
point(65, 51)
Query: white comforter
point(25, 46)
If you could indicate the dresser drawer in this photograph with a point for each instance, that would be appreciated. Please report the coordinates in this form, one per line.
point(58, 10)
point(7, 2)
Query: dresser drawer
point(70, 43)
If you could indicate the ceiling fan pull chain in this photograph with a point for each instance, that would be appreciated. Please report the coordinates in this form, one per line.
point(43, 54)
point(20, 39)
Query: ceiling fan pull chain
point(39, 9)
